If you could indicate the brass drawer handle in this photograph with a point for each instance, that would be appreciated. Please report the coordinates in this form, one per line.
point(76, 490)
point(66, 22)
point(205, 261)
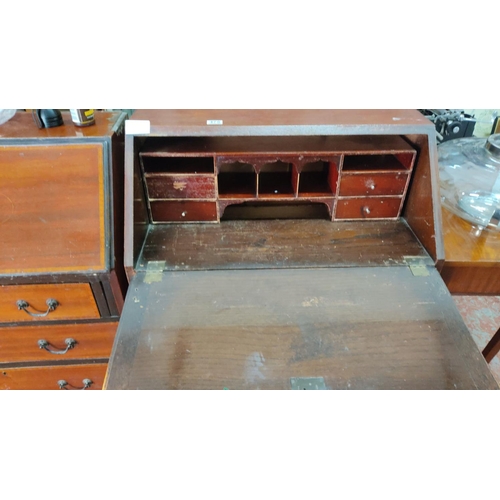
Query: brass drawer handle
point(51, 306)
point(70, 343)
point(64, 385)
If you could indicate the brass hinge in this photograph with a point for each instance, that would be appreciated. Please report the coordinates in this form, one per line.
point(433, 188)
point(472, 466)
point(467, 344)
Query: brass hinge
point(418, 265)
point(154, 271)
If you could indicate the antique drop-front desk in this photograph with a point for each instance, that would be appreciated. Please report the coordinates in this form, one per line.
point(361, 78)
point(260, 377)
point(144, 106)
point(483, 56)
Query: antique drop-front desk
point(62, 280)
point(273, 249)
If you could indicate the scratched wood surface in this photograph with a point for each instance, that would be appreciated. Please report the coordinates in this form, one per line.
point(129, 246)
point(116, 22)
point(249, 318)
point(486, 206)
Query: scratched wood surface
point(358, 328)
point(244, 244)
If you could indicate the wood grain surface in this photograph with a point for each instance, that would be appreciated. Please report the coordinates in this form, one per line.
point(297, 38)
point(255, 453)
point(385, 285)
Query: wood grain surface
point(76, 301)
point(46, 377)
point(472, 263)
point(52, 208)
point(20, 343)
point(250, 244)
point(358, 328)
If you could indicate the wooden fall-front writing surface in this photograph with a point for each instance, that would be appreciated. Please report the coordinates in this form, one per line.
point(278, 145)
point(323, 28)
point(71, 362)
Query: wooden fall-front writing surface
point(358, 328)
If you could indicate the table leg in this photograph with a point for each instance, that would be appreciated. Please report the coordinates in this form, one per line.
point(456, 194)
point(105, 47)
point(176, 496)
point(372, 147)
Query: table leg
point(493, 346)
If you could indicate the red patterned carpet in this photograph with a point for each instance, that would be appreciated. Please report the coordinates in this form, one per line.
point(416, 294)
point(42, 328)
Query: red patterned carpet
point(482, 316)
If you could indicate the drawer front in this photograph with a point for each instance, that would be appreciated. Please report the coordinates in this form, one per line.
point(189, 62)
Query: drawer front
point(47, 377)
point(74, 301)
point(52, 209)
point(367, 208)
point(372, 184)
point(181, 186)
point(183, 211)
point(23, 343)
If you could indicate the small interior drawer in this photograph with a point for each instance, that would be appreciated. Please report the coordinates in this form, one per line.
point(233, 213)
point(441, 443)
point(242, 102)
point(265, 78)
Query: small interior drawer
point(183, 211)
point(56, 342)
point(373, 184)
point(52, 377)
point(180, 186)
point(21, 303)
point(368, 208)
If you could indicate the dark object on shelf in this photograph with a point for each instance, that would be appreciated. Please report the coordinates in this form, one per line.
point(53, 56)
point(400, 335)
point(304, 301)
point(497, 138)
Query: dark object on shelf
point(82, 117)
point(496, 126)
point(450, 123)
point(47, 118)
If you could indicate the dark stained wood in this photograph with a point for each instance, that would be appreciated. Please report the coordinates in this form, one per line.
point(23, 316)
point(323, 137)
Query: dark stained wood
point(52, 208)
point(422, 206)
point(117, 182)
point(250, 244)
point(368, 208)
point(136, 209)
point(275, 122)
point(375, 184)
point(472, 262)
point(183, 211)
point(46, 377)
point(378, 162)
point(181, 186)
point(94, 340)
point(312, 207)
point(492, 348)
point(76, 301)
point(235, 147)
point(359, 328)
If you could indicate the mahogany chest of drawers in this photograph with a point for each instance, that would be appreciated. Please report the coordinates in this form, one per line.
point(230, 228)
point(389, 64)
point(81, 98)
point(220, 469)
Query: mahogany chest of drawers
point(286, 249)
point(62, 282)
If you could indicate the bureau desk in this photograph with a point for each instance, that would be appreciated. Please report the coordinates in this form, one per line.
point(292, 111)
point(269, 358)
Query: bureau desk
point(62, 281)
point(286, 249)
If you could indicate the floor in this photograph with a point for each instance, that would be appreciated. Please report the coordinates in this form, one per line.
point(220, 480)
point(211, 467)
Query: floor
point(482, 316)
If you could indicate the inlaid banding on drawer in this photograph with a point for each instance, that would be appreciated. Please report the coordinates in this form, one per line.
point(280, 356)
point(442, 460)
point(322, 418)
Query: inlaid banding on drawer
point(383, 184)
point(22, 343)
point(368, 208)
point(48, 377)
point(183, 211)
point(180, 186)
point(73, 301)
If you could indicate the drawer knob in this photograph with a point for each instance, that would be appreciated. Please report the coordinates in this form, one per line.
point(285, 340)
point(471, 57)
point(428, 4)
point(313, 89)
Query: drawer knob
point(70, 343)
point(64, 385)
point(372, 186)
point(366, 210)
point(51, 306)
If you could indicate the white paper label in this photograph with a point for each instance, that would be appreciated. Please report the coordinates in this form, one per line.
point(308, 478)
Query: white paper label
point(137, 127)
point(214, 122)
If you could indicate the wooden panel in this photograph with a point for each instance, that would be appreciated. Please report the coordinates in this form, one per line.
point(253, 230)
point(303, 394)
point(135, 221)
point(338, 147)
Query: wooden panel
point(422, 207)
point(280, 121)
point(250, 244)
point(372, 328)
point(76, 301)
point(46, 377)
point(20, 343)
point(181, 186)
point(372, 185)
point(239, 148)
point(472, 263)
point(183, 211)
point(367, 208)
point(52, 208)
point(472, 279)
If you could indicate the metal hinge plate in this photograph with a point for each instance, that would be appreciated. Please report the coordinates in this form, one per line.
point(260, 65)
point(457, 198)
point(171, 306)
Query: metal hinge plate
point(154, 271)
point(419, 265)
point(308, 383)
